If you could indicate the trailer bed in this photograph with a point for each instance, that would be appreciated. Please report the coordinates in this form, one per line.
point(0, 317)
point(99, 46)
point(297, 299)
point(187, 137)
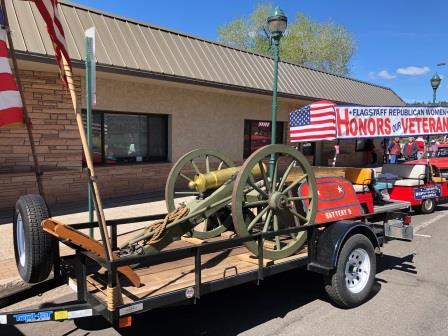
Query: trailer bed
point(180, 274)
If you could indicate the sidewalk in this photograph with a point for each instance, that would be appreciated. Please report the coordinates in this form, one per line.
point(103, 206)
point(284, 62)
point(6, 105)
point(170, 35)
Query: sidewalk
point(122, 207)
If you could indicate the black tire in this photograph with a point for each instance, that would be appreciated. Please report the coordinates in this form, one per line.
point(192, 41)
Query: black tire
point(428, 206)
point(36, 245)
point(337, 284)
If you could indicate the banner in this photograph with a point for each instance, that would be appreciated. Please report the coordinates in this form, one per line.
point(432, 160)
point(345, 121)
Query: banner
point(369, 122)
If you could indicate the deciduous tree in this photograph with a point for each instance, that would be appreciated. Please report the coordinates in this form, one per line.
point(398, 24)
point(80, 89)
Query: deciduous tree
point(324, 46)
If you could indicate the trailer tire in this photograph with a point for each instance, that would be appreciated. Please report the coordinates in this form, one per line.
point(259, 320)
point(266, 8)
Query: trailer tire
point(351, 283)
point(428, 206)
point(33, 247)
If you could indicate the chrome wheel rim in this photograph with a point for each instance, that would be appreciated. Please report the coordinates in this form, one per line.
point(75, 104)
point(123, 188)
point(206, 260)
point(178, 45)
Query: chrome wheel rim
point(357, 270)
point(20, 240)
point(427, 204)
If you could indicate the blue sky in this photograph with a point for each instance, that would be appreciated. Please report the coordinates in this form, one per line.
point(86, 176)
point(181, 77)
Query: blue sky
point(399, 42)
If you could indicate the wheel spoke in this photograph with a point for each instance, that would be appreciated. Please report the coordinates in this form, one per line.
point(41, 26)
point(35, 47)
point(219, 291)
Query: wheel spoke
point(207, 164)
point(220, 165)
point(185, 177)
point(268, 221)
point(274, 175)
point(286, 174)
point(195, 167)
point(299, 198)
point(263, 174)
point(187, 193)
point(257, 188)
point(255, 204)
point(292, 185)
point(257, 218)
point(295, 213)
point(277, 238)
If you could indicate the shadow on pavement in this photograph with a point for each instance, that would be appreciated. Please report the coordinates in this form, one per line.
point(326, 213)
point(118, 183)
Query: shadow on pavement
point(234, 310)
point(404, 264)
point(10, 331)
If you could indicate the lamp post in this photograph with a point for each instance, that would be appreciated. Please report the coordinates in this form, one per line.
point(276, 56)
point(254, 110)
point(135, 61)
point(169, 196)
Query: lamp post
point(276, 25)
point(435, 82)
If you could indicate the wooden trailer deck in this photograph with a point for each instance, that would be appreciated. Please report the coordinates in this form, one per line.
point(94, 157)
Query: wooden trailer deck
point(179, 274)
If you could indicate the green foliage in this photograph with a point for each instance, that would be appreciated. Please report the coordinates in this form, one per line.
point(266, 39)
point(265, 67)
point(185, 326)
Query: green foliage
point(323, 46)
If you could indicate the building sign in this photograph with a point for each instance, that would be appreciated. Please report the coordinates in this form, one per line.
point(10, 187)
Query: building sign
point(427, 192)
point(361, 121)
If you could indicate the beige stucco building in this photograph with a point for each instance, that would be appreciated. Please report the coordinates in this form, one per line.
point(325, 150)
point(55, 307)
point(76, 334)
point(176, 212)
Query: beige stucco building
point(160, 94)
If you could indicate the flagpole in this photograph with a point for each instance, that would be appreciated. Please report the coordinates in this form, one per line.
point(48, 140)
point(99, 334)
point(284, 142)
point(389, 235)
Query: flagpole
point(88, 157)
point(26, 118)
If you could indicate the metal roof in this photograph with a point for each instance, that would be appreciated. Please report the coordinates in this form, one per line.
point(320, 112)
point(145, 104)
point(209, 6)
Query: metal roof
point(127, 45)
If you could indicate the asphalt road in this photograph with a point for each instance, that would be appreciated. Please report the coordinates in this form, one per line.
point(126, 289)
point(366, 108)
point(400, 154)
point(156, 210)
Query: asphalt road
point(410, 298)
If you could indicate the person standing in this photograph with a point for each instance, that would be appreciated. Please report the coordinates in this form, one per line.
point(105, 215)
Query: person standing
point(410, 150)
point(420, 142)
point(433, 148)
point(394, 150)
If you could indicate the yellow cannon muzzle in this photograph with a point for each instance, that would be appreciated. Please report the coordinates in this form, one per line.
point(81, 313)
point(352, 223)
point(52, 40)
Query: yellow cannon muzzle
point(215, 179)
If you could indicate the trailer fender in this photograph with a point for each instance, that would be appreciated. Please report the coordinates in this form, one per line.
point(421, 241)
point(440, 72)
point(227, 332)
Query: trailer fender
point(324, 251)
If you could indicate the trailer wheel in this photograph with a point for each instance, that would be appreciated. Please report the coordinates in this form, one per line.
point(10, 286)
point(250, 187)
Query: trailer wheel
point(428, 206)
point(352, 281)
point(33, 247)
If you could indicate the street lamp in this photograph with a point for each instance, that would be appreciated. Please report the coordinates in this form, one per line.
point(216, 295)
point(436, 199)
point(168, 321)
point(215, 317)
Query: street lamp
point(276, 25)
point(435, 82)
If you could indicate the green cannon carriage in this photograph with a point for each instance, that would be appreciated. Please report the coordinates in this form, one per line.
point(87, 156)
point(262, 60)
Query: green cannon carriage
point(216, 196)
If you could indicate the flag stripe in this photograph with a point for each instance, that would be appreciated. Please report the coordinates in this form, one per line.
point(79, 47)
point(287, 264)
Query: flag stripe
point(49, 11)
point(11, 117)
point(329, 136)
point(9, 99)
point(4, 67)
point(11, 113)
point(7, 82)
point(313, 127)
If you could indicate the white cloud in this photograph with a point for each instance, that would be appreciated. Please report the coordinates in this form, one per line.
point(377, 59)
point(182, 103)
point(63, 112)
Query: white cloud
point(413, 70)
point(385, 74)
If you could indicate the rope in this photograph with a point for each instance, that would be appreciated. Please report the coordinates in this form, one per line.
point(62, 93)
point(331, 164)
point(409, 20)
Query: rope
point(159, 228)
point(113, 297)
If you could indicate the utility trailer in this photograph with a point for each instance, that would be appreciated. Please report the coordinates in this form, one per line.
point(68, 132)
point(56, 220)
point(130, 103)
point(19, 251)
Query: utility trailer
point(240, 224)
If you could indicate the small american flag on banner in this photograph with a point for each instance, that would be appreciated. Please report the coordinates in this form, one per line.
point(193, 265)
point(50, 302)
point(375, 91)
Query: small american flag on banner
point(313, 122)
point(49, 11)
point(11, 113)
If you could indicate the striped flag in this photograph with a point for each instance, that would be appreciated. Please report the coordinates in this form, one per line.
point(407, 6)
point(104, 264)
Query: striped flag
point(11, 113)
point(313, 122)
point(49, 11)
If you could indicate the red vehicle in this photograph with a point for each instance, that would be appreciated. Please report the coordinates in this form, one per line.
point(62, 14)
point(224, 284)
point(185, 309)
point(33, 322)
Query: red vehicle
point(421, 182)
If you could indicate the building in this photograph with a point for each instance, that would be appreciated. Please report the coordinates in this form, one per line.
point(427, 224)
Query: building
point(160, 94)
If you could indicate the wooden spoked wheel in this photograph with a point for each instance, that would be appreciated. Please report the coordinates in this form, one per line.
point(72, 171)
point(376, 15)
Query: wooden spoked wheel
point(198, 161)
point(272, 199)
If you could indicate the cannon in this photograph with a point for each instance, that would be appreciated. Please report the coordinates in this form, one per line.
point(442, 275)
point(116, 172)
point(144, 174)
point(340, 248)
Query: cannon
point(207, 195)
point(216, 196)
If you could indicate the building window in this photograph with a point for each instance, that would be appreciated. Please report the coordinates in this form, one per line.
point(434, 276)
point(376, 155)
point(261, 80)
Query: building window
point(257, 133)
point(128, 138)
point(307, 148)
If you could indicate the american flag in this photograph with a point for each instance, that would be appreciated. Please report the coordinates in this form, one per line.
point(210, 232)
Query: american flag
point(49, 11)
point(11, 113)
point(313, 122)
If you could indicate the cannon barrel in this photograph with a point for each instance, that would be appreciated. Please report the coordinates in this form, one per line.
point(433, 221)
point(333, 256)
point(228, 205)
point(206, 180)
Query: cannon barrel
point(216, 178)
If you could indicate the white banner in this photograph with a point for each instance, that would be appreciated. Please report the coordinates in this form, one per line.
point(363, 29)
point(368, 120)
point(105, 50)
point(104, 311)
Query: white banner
point(370, 122)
